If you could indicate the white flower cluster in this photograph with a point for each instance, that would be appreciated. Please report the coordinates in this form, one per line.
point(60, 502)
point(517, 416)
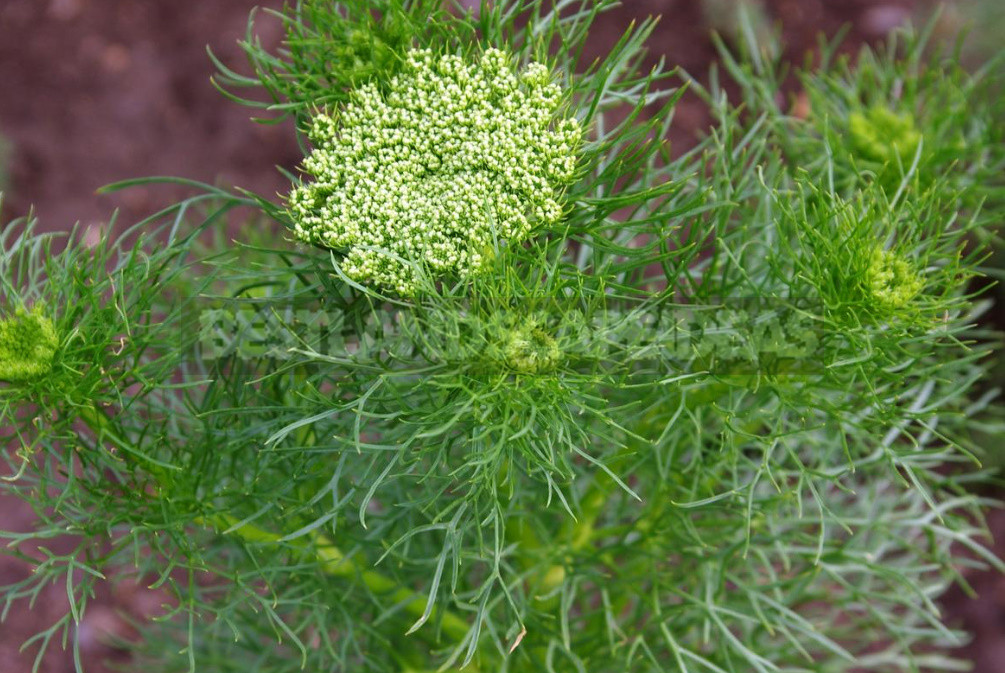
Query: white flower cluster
point(450, 158)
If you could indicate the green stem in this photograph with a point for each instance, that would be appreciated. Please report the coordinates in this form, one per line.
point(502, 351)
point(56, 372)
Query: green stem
point(332, 561)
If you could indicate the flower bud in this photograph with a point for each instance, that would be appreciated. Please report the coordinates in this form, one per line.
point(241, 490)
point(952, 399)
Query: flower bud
point(880, 134)
point(530, 349)
point(28, 344)
point(891, 280)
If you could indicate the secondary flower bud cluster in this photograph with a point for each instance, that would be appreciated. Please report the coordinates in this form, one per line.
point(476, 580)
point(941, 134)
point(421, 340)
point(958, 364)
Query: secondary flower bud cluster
point(530, 349)
point(880, 134)
point(891, 280)
point(437, 168)
point(28, 344)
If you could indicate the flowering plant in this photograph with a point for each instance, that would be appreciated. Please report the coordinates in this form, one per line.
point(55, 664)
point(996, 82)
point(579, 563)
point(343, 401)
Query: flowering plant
point(515, 386)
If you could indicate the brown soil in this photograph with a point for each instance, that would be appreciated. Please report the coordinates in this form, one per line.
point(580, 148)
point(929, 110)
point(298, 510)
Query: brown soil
point(96, 91)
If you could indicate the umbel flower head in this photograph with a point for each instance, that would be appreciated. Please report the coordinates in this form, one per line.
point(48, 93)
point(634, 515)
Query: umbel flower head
point(28, 345)
point(436, 169)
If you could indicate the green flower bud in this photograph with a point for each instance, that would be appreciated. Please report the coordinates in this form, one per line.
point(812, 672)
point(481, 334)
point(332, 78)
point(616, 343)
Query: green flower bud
point(891, 280)
point(28, 344)
point(447, 160)
point(882, 135)
point(530, 349)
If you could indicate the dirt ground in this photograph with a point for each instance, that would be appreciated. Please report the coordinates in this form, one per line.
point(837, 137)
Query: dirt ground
point(95, 91)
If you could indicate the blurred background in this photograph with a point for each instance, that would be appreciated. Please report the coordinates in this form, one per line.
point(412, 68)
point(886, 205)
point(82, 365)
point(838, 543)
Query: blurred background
point(95, 91)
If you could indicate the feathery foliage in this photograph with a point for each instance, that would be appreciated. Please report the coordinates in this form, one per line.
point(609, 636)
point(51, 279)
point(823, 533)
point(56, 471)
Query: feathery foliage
point(720, 412)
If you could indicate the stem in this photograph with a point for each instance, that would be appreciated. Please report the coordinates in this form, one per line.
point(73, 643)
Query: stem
point(335, 563)
point(332, 561)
